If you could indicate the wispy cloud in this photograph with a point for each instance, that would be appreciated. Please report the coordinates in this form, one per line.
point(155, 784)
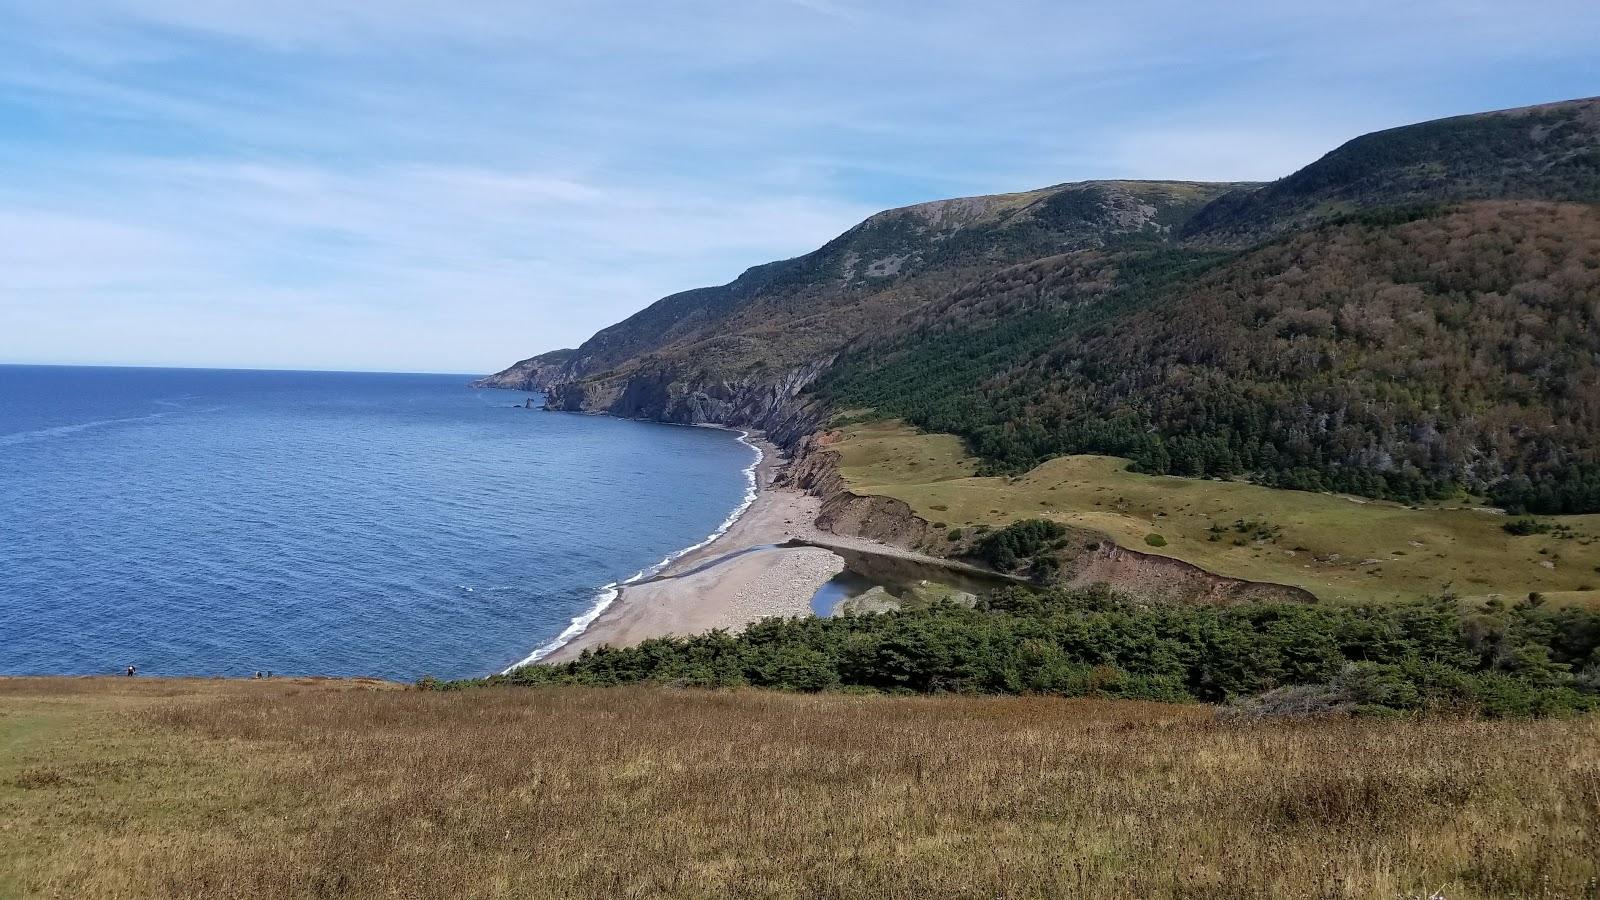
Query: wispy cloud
point(446, 185)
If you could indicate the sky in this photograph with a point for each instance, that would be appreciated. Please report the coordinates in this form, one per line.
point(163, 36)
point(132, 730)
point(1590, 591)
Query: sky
point(451, 185)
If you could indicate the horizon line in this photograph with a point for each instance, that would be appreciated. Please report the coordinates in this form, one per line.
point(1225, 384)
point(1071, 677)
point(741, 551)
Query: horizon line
point(19, 365)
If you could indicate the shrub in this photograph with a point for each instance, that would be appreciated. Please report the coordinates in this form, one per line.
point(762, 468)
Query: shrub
point(1007, 548)
point(1155, 540)
point(1292, 659)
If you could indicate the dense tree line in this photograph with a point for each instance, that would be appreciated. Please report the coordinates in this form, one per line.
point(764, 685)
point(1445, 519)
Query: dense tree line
point(1402, 357)
point(1526, 659)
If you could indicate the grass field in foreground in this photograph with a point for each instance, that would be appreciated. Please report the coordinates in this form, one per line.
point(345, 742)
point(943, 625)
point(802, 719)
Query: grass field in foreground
point(1338, 547)
point(135, 788)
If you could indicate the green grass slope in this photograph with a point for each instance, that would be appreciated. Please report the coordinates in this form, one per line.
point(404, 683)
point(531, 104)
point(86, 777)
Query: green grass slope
point(1339, 547)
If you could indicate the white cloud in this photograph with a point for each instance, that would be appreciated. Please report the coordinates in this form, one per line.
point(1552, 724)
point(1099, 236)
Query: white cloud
point(431, 184)
point(473, 265)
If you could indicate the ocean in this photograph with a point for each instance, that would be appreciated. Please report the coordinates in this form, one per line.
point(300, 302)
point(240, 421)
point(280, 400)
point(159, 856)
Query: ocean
point(217, 522)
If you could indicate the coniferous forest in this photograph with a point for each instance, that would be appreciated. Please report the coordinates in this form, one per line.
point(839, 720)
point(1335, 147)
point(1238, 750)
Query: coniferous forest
point(1405, 354)
point(1523, 659)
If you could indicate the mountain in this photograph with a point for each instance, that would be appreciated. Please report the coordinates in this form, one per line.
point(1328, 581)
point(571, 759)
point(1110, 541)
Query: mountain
point(1417, 317)
point(1411, 315)
point(536, 373)
point(737, 353)
point(1545, 152)
point(1385, 356)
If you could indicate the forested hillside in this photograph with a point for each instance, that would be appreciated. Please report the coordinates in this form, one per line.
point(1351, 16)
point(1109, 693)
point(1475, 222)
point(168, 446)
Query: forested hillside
point(880, 268)
point(716, 353)
point(1409, 317)
point(1401, 355)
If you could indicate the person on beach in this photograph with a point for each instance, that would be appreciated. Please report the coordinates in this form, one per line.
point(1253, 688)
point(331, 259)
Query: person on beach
point(132, 670)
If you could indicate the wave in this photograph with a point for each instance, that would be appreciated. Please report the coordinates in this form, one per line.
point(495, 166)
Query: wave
point(609, 592)
point(23, 437)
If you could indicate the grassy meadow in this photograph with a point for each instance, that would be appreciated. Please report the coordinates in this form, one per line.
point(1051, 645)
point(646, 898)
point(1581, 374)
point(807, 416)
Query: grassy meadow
point(145, 788)
point(1339, 548)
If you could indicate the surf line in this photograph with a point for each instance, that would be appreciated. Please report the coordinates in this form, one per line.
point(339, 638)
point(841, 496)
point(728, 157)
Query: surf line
point(609, 592)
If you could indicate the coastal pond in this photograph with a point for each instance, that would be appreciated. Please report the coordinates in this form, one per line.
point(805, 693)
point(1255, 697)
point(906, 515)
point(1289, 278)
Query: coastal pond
point(873, 581)
point(876, 582)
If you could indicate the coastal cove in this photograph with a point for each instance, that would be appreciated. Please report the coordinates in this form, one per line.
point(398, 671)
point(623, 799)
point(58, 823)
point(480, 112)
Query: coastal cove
point(772, 561)
point(202, 522)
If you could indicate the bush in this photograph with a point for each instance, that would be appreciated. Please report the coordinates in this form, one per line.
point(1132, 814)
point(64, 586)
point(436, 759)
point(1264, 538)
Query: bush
point(1155, 540)
point(1269, 658)
point(1007, 548)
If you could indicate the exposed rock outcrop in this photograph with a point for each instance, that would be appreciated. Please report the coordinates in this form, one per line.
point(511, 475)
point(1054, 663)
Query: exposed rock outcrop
point(771, 403)
point(737, 354)
point(536, 373)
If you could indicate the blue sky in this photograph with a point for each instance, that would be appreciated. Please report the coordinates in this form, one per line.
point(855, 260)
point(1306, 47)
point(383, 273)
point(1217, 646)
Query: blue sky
point(423, 185)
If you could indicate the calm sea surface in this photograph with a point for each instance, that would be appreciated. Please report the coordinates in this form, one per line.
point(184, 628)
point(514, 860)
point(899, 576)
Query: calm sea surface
point(196, 522)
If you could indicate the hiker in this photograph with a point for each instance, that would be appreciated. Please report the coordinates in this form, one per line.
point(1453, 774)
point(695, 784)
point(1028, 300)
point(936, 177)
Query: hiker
point(131, 670)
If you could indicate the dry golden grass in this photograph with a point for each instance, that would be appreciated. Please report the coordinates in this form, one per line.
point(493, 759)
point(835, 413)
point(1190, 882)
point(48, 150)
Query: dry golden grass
point(166, 789)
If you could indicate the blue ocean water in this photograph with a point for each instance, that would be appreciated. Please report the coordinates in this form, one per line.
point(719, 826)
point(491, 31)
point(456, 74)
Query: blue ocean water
point(199, 522)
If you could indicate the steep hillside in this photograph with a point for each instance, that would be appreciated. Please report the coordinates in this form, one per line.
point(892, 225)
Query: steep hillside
point(1411, 315)
point(1547, 152)
point(732, 354)
point(1391, 358)
point(536, 373)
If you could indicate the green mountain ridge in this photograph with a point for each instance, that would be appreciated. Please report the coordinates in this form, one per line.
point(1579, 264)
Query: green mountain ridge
point(1545, 152)
point(785, 314)
point(1411, 315)
point(1383, 357)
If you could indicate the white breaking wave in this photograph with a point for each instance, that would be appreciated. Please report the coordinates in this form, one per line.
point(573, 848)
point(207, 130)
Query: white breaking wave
point(610, 592)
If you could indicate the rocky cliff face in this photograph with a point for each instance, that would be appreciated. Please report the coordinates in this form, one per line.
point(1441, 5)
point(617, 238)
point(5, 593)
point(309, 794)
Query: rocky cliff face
point(771, 403)
point(738, 354)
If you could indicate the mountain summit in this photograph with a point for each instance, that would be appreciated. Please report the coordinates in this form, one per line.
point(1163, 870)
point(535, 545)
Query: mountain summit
point(1412, 314)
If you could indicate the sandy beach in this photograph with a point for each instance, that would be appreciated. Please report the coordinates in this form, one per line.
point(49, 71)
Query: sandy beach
point(743, 576)
point(730, 582)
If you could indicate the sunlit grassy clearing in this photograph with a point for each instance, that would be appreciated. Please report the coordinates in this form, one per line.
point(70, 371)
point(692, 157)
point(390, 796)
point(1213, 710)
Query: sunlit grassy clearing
point(1338, 547)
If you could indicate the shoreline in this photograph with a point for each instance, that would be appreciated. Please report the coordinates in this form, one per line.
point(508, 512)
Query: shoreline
point(612, 591)
point(768, 559)
point(733, 578)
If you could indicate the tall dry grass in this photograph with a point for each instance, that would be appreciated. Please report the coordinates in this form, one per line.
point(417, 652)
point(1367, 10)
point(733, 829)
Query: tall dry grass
point(293, 791)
